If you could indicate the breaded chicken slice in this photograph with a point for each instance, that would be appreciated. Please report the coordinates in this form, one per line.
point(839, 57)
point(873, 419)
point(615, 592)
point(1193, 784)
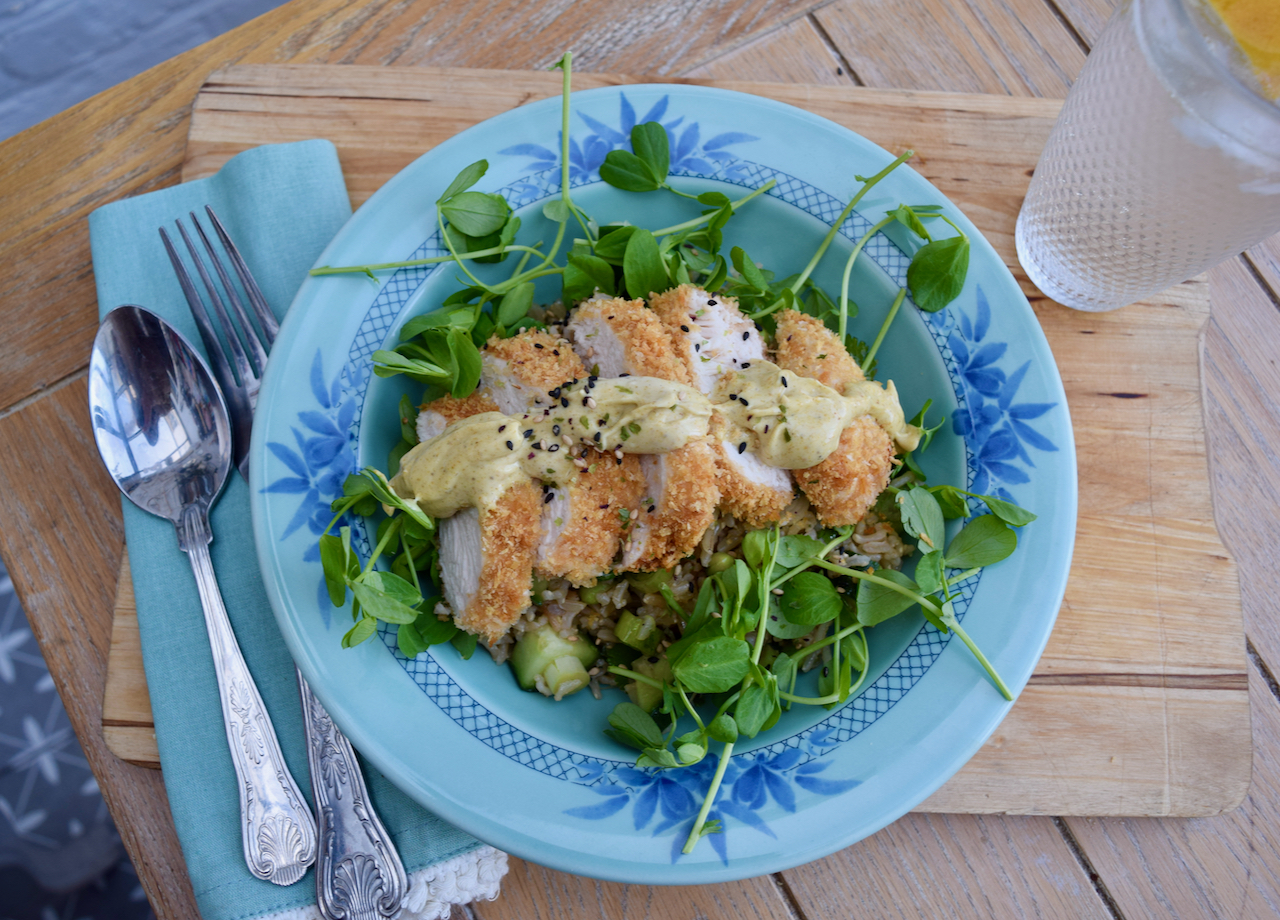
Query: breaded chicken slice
point(583, 524)
point(845, 485)
point(751, 490)
point(713, 338)
point(517, 372)
point(486, 558)
point(805, 345)
point(708, 332)
point(435, 415)
point(678, 505)
point(617, 337)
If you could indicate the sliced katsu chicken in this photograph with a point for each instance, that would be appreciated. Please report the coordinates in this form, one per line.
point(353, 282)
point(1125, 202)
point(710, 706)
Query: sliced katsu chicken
point(519, 371)
point(582, 524)
point(623, 337)
point(435, 415)
point(845, 485)
point(582, 521)
point(712, 337)
point(486, 558)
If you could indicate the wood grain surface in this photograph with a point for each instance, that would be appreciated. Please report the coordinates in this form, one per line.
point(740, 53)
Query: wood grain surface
point(1131, 710)
point(62, 530)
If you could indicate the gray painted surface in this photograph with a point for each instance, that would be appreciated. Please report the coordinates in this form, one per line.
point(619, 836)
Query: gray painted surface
point(55, 53)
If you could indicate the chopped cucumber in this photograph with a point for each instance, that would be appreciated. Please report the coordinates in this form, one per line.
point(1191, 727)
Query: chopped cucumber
point(641, 633)
point(543, 651)
point(592, 595)
point(645, 696)
point(650, 582)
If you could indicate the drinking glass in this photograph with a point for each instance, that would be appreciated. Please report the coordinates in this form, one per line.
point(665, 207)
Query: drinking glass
point(1164, 161)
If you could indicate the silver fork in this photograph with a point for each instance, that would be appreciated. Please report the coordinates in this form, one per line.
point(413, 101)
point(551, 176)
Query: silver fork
point(359, 875)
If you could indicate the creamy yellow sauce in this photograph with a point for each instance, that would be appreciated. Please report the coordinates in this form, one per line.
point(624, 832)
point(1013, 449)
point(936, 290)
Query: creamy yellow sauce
point(790, 422)
point(794, 422)
point(474, 460)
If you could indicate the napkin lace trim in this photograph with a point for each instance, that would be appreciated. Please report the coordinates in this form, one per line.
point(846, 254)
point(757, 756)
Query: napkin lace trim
point(473, 876)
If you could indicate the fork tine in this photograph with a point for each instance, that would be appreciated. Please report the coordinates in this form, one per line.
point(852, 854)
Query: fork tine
point(270, 327)
point(246, 329)
point(217, 355)
point(238, 356)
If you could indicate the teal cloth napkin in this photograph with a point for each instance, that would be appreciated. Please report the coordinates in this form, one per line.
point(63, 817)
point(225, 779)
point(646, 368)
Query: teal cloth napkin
point(282, 204)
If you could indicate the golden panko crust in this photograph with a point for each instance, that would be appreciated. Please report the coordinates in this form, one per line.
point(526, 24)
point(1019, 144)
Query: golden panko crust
point(674, 308)
point(688, 507)
point(537, 359)
point(845, 485)
point(452, 409)
point(805, 345)
point(753, 503)
point(509, 535)
point(643, 338)
point(586, 545)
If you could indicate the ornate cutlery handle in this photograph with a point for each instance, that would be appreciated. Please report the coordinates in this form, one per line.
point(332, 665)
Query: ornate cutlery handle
point(359, 875)
point(278, 830)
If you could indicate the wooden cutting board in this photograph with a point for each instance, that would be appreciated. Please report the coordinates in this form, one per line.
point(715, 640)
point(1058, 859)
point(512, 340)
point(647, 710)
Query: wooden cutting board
point(1140, 703)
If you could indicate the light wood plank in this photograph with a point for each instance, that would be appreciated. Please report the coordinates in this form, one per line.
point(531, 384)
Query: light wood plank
point(796, 53)
point(531, 892)
point(952, 866)
point(975, 46)
point(1265, 258)
point(61, 542)
point(1209, 867)
point(1087, 17)
point(1243, 406)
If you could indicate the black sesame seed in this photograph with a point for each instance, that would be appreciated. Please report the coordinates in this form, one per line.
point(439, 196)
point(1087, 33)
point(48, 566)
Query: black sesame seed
point(537, 345)
point(733, 396)
point(596, 436)
point(550, 496)
point(624, 375)
point(744, 402)
point(553, 448)
point(697, 346)
point(528, 433)
point(502, 428)
point(564, 403)
point(784, 382)
point(745, 365)
point(554, 394)
point(746, 336)
point(711, 303)
point(684, 328)
point(555, 429)
point(510, 446)
point(742, 447)
point(651, 507)
point(556, 352)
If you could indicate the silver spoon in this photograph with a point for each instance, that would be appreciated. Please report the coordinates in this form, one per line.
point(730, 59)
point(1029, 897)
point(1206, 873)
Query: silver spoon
point(162, 430)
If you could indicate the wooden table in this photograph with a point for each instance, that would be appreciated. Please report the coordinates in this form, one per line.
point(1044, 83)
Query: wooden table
point(62, 536)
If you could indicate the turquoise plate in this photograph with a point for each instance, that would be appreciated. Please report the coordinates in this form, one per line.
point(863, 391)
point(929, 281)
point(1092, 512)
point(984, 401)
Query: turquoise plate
point(538, 778)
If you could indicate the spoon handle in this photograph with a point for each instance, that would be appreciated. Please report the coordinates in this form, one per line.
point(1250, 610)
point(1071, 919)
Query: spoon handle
point(279, 832)
point(359, 875)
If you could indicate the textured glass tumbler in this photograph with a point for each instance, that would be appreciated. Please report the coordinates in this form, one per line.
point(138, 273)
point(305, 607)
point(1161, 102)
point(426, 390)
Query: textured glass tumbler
point(1163, 162)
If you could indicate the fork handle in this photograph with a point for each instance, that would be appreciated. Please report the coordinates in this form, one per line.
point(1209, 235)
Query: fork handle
point(359, 875)
point(278, 831)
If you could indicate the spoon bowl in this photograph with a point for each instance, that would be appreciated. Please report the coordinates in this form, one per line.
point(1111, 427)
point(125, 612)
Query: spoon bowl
point(160, 422)
point(162, 430)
